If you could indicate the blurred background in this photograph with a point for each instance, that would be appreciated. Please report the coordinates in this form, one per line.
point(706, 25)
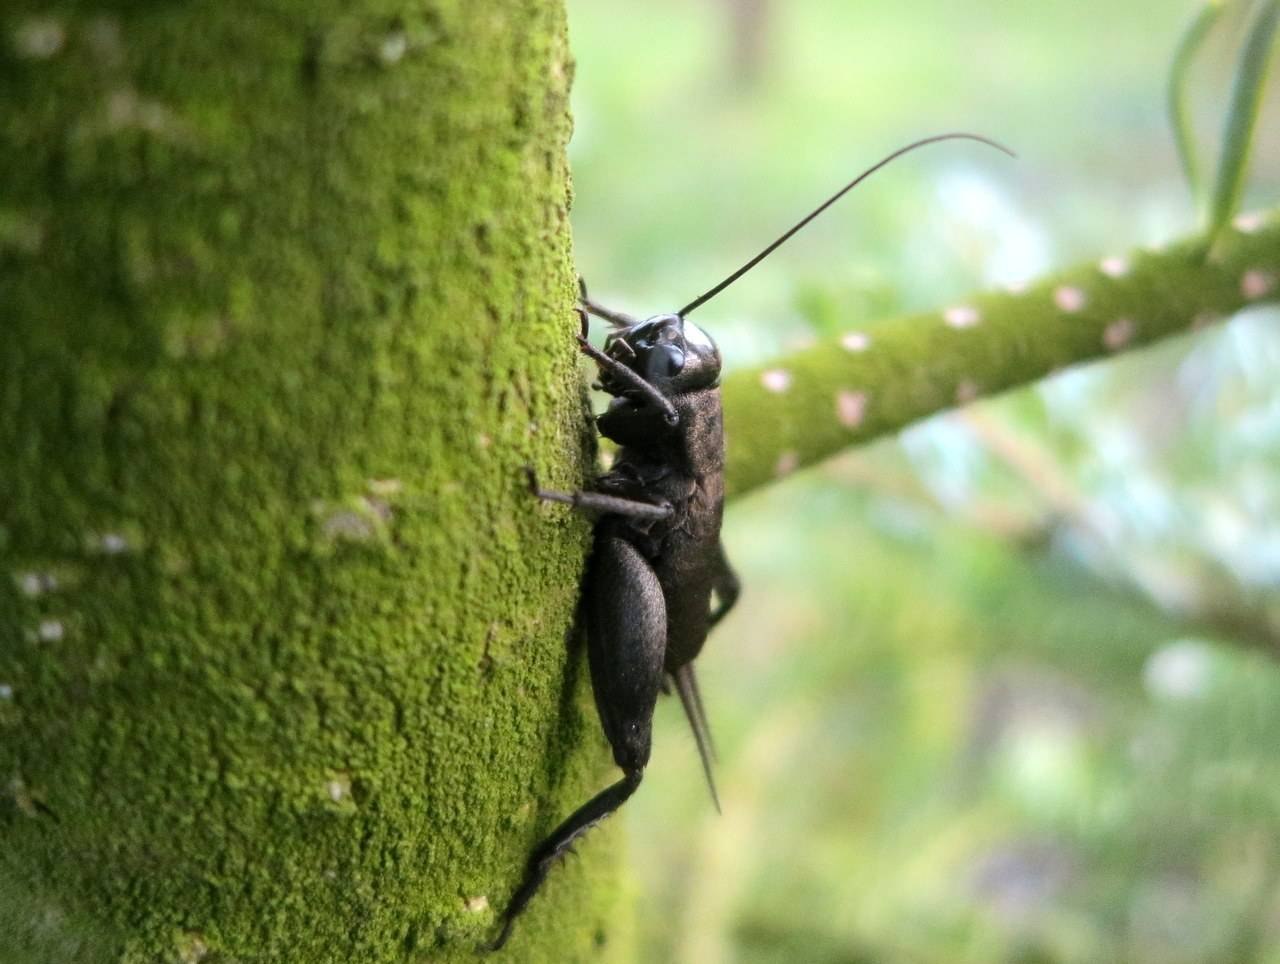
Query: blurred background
point(1004, 688)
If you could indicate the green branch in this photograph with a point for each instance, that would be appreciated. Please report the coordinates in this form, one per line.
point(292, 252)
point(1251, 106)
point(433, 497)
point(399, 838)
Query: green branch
point(868, 382)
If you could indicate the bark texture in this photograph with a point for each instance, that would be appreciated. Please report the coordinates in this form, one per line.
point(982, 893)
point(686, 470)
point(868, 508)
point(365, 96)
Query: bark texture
point(284, 308)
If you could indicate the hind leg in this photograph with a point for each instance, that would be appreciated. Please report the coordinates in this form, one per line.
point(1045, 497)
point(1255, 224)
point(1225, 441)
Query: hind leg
point(627, 639)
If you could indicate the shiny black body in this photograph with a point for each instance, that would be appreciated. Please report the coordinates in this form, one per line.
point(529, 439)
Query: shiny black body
point(657, 563)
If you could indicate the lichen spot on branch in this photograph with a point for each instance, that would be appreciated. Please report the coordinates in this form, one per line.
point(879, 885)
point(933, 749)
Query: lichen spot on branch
point(851, 407)
point(961, 316)
point(1119, 333)
point(1069, 298)
point(1114, 267)
point(1249, 223)
point(1256, 283)
point(776, 380)
point(855, 341)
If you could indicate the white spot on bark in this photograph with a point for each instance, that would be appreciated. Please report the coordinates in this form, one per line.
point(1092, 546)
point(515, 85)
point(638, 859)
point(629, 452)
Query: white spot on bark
point(338, 788)
point(1256, 284)
point(967, 391)
point(1069, 298)
point(477, 905)
point(787, 463)
point(385, 486)
point(855, 341)
point(961, 316)
point(347, 524)
point(851, 407)
point(192, 949)
point(379, 508)
point(1249, 222)
point(6, 691)
point(113, 543)
point(776, 379)
point(35, 583)
point(126, 110)
point(50, 631)
point(393, 47)
point(1114, 267)
point(1119, 333)
point(22, 797)
point(39, 38)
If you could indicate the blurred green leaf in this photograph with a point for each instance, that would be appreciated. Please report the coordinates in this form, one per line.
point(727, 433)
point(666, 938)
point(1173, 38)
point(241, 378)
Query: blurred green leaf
point(1192, 40)
point(1246, 98)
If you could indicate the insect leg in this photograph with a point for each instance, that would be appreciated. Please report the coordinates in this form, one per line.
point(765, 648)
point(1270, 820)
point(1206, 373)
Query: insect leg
point(619, 319)
point(726, 585)
point(559, 843)
point(627, 639)
point(600, 502)
point(620, 371)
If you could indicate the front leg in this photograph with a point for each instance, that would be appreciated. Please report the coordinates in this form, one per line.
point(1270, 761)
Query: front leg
point(618, 319)
point(621, 372)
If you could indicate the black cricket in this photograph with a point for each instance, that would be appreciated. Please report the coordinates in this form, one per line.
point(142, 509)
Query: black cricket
point(657, 560)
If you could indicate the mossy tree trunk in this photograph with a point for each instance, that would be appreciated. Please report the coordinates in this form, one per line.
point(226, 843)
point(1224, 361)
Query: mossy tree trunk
point(284, 309)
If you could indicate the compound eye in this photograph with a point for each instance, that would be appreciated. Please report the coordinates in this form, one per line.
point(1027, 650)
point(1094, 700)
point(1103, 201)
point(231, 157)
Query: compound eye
point(665, 361)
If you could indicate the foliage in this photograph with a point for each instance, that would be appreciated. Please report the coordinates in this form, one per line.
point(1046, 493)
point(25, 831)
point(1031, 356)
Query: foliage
point(995, 690)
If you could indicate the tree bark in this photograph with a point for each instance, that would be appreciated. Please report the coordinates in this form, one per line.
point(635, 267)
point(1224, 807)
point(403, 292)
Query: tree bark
point(285, 291)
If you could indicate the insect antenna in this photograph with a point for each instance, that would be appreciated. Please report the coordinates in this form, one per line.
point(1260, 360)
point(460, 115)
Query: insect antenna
point(955, 135)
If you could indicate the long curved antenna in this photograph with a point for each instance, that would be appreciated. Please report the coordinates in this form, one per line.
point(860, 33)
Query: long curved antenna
point(955, 135)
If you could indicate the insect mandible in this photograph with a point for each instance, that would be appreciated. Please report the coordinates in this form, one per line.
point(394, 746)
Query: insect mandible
point(657, 559)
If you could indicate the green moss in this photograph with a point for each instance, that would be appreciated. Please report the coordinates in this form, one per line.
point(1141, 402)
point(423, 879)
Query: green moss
point(286, 295)
point(814, 403)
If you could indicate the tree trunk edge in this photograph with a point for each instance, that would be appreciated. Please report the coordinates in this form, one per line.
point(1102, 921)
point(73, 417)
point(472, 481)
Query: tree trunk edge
point(285, 666)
